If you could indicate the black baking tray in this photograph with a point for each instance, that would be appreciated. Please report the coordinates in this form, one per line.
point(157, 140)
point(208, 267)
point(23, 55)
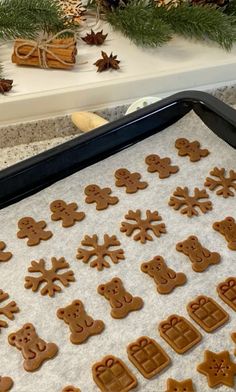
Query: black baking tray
point(36, 173)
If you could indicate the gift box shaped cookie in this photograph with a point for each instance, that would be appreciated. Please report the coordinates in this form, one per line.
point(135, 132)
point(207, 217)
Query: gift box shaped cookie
point(179, 333)
point(207, 313)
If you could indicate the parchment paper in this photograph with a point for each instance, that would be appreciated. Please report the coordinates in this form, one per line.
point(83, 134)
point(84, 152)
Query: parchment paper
point(73, 363)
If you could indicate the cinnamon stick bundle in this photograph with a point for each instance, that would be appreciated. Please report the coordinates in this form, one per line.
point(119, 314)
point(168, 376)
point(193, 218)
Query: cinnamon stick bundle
point(54, 53)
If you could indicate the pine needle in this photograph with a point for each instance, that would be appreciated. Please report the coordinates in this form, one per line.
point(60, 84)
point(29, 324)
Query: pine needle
point(138, 22)
point(231, 8)
point(201, 22)
point(24, 18)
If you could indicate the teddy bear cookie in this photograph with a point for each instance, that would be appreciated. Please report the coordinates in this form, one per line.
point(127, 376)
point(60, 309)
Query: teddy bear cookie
point(192, 149)
point(81, 325)
point(121, 302)
point(200, 257)
point(160, 165)
point(33, 230)
point(34, 349)
point(130, 180)
point(66, 213)
point(227, 227)
point(4, 256)
point(6, 383)
point(100, 196)
point(165, 278)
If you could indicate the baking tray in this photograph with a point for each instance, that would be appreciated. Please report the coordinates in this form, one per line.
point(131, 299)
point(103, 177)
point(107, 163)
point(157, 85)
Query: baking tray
point(34, 174)
point(73, 363)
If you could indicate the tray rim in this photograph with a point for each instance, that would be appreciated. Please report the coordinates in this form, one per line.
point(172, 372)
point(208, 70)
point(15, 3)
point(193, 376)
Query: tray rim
point(36, 173)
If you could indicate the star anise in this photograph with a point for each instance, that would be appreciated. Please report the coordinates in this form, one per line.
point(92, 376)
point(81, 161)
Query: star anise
point(95, 38)
point(5, 85)
point(107, 62)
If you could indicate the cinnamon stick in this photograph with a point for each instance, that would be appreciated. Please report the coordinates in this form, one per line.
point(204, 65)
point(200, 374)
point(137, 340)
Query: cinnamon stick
point(34, 62)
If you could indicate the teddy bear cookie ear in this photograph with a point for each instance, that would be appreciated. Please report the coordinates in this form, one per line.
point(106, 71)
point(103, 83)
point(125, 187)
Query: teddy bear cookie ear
point(179, 246)
point(12, 339)
point(60, 313)
point(230, 219)
point(117, 280)
point(216, 226)
point(145, 267)
point(159, 259)
point(101, 289)
point(77, 302)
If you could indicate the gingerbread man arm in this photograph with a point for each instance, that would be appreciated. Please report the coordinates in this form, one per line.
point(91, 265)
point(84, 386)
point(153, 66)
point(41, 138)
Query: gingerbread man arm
point(107, 191)
point(183, 151)
point(90, 199)
point(72, 207)
point(21, 234)
point(120, 182)
point(41, 224)
point(56, 216)
point(136, 176)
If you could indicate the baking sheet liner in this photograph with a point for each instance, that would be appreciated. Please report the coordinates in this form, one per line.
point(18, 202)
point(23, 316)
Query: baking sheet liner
point(73, 363)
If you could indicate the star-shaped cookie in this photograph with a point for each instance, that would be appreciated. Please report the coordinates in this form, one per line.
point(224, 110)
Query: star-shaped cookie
point(218, 368)
point(179, 386)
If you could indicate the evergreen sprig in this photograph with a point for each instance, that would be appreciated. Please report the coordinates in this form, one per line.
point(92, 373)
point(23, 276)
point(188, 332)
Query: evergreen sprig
point(201, 22)
point(231, 8)
point(25, 18)
point(139, 22)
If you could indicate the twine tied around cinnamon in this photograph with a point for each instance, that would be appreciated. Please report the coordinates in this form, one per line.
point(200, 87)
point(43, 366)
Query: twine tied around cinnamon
point(44, 47)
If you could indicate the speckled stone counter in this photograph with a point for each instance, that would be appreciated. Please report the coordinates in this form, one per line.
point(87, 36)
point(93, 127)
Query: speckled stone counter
point(21, 141)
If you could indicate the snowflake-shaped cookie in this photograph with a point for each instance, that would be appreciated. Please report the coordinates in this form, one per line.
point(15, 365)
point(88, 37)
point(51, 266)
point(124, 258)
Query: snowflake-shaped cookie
point(98, 253)
point(49, 276)
point(225, 184)
point(143, 226)
point(7, 310)
point(182, 198)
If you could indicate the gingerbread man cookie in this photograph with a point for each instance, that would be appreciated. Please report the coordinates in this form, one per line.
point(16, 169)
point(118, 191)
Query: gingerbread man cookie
point(100, 196)
point(6, 383)
point(122, 302)
point(165, 278)
point(81, 325)
point(33, 230)
point(130, 180)
point(160, 165)
point(192, 149)
point(200, 257)
point(34, 350)
point(66, 212)
point(227, 227)
point(4, 256)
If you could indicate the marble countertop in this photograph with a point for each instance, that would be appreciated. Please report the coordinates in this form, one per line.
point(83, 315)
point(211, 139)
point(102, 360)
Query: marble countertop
point(21, 141)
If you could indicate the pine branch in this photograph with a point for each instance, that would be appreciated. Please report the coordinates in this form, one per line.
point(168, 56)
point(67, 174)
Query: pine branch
point(231, 8)
point(138, 22)
point(201, 22)
point(25, 18)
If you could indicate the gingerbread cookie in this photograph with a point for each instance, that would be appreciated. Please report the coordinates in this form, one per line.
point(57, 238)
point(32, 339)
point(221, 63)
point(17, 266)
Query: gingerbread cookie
point(207, 313)
point(180, 386)
point(181, 200)
point(70, 388)
point(227, 292)
point(122, 302)
point(130, 180)
point(6, 383)
point(111, 374)
point(165, 278)
point(179, 333)
point(148, 356)
point(33, 230)
point(66, 212)
point(192, 149)
point(99, 253)
point(100, 196)
point(7, 310)
point(143, 227)
point(81, 325)
point(233, 336)
point(227, 228)
point(34, 350)
point(225, 185)
point(160, 165)
point(49, 276)
point(200, 257)
point(218, 368)
point(4, 256)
